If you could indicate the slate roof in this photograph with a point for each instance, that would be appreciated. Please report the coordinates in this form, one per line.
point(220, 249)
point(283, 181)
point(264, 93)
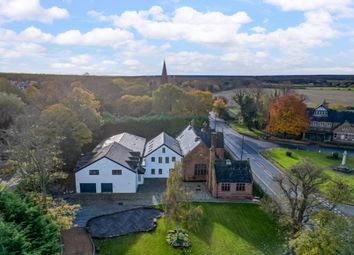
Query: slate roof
point(130, 141)
point(162, 139)
point(188, 140)
point(339, 116)
point(236, 171)
point(192, 137)
point(115, 152)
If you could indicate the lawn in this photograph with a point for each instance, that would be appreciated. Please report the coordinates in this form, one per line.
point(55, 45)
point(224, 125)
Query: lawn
point(225, 228)
point(242, 129)
point(279, 158)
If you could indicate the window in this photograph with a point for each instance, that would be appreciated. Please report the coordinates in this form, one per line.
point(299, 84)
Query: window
point(173, 159)
point(335, 135)
point(94, 172)
point(152, 171)
point(200, 169)
point(163, 150)
point(225, 186)
point(116, 172)
point(240, 187)
point(167, 160)
point(160, 160)
point(152, 159)
point(160, 171)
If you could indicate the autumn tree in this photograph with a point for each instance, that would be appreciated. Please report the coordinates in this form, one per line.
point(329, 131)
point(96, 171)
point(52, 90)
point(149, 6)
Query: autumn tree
point(219, 107)
point(86, 107)
point(62, 122)
point(198, 102)
point(10, 107)
point(167, 99)
point(177, 202)
point(288, 115)
point(133, 105)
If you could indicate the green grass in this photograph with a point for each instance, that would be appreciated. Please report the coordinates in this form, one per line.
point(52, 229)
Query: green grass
point(278, 157)
point(242, 129)
point(225, 228)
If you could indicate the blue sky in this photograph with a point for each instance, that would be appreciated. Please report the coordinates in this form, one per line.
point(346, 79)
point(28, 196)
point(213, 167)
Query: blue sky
point(224, 37)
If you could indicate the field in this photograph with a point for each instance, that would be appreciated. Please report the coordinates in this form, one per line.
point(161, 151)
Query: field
point(283, 162)
point(314, 96)
point(224, 229)
point(242, 129)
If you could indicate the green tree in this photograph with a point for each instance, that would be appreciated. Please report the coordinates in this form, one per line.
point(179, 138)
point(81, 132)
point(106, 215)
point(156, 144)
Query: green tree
point(177, 202)
point(62, 122)
point(33, 230)
point(167, 99)
point(6, 87)
point(331, 235)
point(10, 106)
point(86, 107)
point(198, 102)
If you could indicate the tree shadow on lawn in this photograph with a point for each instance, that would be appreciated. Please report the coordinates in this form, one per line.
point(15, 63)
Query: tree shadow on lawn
point(247, 222)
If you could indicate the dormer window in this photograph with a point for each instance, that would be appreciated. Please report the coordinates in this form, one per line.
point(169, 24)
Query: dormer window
point(321, 112)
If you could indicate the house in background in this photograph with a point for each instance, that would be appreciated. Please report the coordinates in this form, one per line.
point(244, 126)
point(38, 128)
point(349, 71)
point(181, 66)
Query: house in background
point(325, 125)
point(113, 166)
point(195, 145)
point(344, 133)
point(160, 155)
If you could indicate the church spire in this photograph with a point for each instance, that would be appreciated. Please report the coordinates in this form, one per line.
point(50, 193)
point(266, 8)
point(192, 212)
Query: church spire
point(164, 77)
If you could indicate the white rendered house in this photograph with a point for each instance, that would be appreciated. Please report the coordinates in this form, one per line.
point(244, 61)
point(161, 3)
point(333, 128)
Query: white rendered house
point(160, 155)
point(112, 167)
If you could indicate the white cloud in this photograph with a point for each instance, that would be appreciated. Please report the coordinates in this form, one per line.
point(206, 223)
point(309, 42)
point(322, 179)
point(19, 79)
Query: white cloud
point(258, 29)
point(80, 59)
point(337, 6)
point(131, 62)
point(15, 10)
point(185, 24)
point(19, 50)
point(97, 36)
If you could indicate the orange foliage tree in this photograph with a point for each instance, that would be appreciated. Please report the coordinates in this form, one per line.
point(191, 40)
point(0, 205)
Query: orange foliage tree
point(287, 115)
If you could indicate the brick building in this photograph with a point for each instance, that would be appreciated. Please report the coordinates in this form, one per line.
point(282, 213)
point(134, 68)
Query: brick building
point(195, 145)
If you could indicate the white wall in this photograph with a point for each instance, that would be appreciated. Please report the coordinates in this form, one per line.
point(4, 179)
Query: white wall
point(125, 183)
point(156, 165)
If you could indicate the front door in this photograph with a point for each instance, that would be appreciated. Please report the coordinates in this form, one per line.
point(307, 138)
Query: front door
point(106, 187)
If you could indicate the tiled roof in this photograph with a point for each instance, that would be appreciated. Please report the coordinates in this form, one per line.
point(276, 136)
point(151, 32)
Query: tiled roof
point(115, 152)
point(162, 139)
point(191, 137)
point(234, 171)
point(130, 141)
point(188, 140)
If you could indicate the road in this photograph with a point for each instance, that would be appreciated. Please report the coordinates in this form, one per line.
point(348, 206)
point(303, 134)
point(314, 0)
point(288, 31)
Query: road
point(262, 170)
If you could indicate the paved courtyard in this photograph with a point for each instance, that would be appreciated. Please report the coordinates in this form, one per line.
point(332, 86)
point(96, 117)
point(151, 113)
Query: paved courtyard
point(93, 205)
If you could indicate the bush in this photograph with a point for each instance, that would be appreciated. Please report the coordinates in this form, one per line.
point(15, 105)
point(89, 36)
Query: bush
point(178, 239)
point(289, 153)
point(335, 155)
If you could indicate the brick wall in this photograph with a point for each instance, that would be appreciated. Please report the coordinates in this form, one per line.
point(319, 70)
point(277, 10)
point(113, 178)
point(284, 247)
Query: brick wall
point(199, 155)
point(247, 194)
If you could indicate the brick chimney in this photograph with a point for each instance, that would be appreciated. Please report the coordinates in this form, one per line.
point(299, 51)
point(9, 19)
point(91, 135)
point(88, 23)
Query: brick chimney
point(213, 139)
point(211, 170)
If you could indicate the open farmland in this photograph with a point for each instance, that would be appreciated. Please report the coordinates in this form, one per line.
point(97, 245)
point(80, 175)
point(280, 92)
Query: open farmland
point(314, 97)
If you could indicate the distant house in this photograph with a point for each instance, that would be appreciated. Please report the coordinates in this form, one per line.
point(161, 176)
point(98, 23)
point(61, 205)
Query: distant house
point(160, 155)
point(113, 166)
point(195, 145)
point(231, 179)
point(344, 133)
point(324, 122)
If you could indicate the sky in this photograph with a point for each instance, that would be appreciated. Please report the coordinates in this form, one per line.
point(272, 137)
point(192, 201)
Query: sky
point(195, 37)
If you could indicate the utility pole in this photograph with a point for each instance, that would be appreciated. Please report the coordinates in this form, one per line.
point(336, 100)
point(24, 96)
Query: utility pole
point(243, 139)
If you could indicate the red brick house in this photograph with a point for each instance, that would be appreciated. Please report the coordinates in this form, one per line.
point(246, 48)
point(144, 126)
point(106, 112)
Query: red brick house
point(195, 145)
